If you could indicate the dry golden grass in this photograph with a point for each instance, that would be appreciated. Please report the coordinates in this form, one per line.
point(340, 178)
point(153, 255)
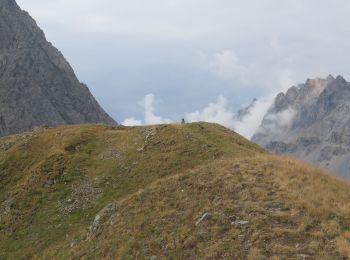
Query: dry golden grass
point(194, 191)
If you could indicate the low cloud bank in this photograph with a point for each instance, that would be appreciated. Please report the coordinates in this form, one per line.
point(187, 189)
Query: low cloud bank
point(150, 118)
point(216, 112)
point(249, 124)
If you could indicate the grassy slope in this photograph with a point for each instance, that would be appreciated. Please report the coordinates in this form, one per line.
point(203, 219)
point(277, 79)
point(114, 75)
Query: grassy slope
point(161, 181)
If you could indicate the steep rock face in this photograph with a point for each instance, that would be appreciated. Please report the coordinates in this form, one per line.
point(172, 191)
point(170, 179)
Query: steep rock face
point(312, 122)
point(37, 85)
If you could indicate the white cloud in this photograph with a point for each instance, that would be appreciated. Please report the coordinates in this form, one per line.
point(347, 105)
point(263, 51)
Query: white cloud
point(132, 17)
point(150, 118)
point(132, 122)
point(277, 122)
point(250, 123)
point(217, 112)
point(233, 18)
point(285, 79)
point(226, 65)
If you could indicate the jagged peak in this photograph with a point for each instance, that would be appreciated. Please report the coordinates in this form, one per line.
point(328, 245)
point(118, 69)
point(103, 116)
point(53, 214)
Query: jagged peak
point(26, 51)
point(330, 77)
point(292, 94)
point(340, 79)
point(280, 102)
point(316, 82)
point(293, 88)
point(280, 95)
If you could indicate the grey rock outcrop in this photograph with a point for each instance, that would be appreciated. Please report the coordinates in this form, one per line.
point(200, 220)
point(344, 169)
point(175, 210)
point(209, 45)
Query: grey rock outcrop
point(311, 121)
point(100, 220)
point(37, 85)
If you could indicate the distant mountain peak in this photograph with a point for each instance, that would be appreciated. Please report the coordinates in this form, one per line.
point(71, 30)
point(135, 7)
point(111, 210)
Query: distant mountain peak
point(330, 77)
point(315, 110)
point(316, 82)
point(340, 79)
point(37, 84)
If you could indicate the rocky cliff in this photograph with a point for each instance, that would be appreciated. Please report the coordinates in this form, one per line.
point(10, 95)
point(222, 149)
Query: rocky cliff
point(37, 85)
point(312, 122)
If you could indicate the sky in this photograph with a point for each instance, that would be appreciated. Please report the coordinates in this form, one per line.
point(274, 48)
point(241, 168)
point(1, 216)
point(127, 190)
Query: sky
point(158, 61)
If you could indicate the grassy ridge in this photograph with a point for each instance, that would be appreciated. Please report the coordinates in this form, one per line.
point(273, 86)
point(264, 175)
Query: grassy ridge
point(169, 191)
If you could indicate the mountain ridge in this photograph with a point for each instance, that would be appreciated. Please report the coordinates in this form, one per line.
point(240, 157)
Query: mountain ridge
point(37, 84)
point(316, 124)
point(178, 191)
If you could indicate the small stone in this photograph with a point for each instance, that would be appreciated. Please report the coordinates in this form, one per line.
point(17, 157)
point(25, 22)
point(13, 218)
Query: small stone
point(204, 217)
point(240, 223)
point(73, 243)
point(188, 242)
point(141, 149)
point(50, 182)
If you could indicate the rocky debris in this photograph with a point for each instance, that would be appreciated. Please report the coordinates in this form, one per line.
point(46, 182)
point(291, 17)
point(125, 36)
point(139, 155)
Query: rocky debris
point(73, 243)
point(8, 215)
point(21, 139)
point(240, 223)
point(81, 198)
point(8, 205)
point(37, 85)
point(51, 182)
point(141, 149)
point(204, 217)
point(149, 133)
point(6, 145)
point(112, 154)
point(311, 121)
point(100, 219)
point(303, 256)
point(76, 147)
